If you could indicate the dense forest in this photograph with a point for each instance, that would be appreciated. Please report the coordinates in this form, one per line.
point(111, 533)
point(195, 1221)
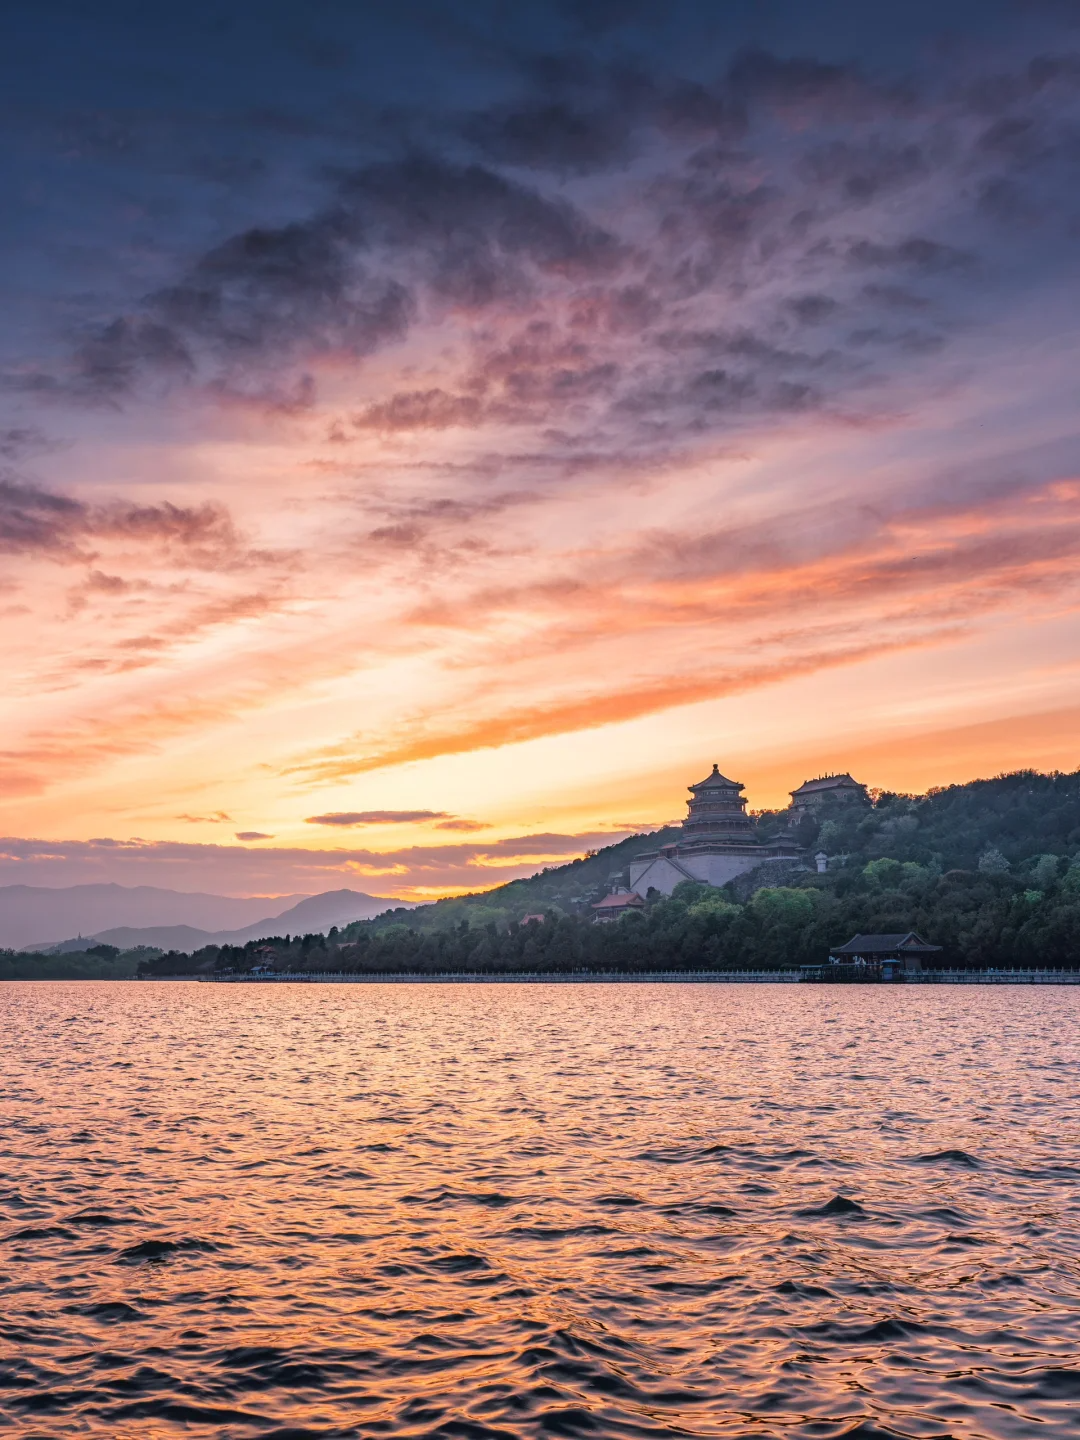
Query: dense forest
point(990, 871)
point(101, 962)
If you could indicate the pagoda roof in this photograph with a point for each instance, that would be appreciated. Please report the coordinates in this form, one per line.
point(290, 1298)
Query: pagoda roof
point(716, 781)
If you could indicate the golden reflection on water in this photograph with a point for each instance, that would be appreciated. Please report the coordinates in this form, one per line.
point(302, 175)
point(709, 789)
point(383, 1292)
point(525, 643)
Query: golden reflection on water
point(480, 1211)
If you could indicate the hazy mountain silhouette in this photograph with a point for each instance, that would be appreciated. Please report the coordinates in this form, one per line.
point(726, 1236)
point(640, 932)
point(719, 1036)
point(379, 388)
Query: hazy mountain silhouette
point(38, 916)
point(312, 914)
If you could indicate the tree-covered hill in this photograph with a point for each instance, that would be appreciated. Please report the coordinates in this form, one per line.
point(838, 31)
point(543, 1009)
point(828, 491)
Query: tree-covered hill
point(990, 871)
point(569, 888)
point(1022, 816)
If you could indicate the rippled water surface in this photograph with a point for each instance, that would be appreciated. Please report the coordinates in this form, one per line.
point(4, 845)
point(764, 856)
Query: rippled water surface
point(539, 1210)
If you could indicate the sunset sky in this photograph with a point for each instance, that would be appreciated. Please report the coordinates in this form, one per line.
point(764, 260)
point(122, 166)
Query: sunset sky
point(433, 434)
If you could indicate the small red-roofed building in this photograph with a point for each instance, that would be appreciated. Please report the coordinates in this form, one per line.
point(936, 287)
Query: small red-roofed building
point(531, 920)
point(616, 905)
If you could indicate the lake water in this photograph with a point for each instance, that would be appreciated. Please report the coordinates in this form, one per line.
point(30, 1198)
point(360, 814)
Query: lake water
point(479, 1211)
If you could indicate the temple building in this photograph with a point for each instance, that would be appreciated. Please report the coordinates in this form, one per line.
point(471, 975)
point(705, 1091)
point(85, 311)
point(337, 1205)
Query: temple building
point(614, 906)
point(828, 790)
point(892, 954)
point(718, 842)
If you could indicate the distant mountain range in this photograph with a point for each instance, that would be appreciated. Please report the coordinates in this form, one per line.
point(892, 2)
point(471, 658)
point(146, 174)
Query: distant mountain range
point(37, 917)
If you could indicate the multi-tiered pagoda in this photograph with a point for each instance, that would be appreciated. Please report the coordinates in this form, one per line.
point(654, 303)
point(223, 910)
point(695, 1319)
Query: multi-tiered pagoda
point(717, 843)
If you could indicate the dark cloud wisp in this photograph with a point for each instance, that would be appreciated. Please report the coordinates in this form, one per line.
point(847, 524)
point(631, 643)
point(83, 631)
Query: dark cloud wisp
point(636, 254)
point(260, 869)
point(37, 521)
point(346, 280)
point(347, 818)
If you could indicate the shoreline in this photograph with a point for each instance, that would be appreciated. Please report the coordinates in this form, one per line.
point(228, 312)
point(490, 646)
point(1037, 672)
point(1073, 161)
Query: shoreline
point(677, 977)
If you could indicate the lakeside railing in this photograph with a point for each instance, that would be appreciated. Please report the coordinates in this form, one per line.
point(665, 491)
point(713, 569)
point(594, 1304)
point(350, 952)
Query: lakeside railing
point(993, 977)
point(571, 977)
point(644, 977)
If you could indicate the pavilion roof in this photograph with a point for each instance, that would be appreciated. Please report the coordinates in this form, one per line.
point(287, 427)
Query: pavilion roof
point(910, 943)
point(716, 781)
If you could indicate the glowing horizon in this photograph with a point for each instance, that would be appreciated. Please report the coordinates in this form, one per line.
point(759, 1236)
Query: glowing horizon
point(504, 472)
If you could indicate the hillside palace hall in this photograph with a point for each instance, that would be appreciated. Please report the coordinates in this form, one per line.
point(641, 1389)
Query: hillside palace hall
point(718, 840)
